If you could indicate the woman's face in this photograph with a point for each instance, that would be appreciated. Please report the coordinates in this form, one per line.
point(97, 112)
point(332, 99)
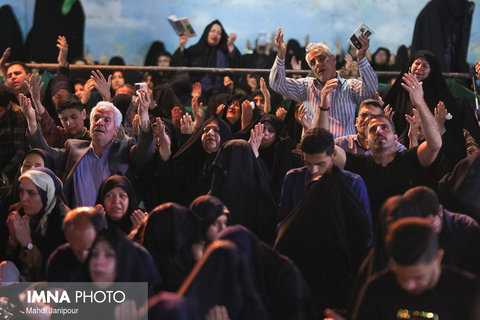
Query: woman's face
point(420, 69)
point(30, 197)
point(214, 35)
point(234, 112)
point(163, 61)
point(116, 203)
point(269, 135)
point(117, 80)
point(211, 139)
point(381, 57)
point(79, 90)
point(216, 228)
point(32, 160)
point(103, 263)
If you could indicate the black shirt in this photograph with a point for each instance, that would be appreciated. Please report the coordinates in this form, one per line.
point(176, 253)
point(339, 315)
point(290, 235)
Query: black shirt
point(449, 299)
point(382, 182)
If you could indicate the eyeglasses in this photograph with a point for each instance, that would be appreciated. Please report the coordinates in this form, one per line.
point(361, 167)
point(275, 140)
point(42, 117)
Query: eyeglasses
point(319, 58)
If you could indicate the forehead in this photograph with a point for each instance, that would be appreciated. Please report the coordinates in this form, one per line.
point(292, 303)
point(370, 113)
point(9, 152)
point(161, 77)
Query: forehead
point(371, 109)
point(211, 125)
point(379, 121)
point(33, 157)
point(104, 112)
point(116, 190)
point(258, 96)
point(216, 28)
point(421, 61)
point(413, 271)
point(268, 125)
point(16, 68)
point(315, 158)
point(26, 183)
point(118, 74)
point(70, 112)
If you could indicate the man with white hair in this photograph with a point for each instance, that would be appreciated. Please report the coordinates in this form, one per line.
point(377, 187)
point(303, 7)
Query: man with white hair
point(84, 164)
point(347, 94)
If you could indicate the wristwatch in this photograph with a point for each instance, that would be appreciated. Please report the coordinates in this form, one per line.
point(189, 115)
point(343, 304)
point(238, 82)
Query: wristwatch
point(28, 247)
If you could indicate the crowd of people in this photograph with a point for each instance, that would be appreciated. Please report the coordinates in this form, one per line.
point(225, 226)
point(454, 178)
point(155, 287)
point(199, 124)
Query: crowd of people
point(246, 197)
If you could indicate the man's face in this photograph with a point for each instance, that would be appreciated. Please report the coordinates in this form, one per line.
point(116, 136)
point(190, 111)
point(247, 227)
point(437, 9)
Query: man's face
point(16, 77)
point(318, 163)
point(72, 121)
point(102, 128)
point(323, 66)
point(380, 136)
point(361, 122)
point(416, 279)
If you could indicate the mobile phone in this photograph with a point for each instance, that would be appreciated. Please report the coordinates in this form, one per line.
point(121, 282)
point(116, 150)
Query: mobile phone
point(140, 85)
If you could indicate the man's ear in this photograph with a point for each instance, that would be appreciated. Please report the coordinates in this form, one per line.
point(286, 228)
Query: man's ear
point(396, 137)
point(84, 114)
point(334, 155)
point(439, 256)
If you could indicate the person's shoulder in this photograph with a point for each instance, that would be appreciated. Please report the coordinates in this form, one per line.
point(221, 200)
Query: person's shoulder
point(352, 176)
point(460, 220)
point(297, 172)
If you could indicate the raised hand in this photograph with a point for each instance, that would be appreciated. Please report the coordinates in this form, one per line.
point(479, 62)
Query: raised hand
point(198, 112)
point(34, 85)
point(304, 118)
point(256, 136)
point(100, 209)
point(281, 113)
point(22, 229)
point(176, 114)
point(196, 89)
point(379, 99)
point(3, 61)
point(28, 112)
point(414, 88)
point(281, 47)
point(227, 82)
point(440, 114)
point(327, 91)
point(388, 111)
point(87, 90)
point(183, 41)
point(143, 107)
point(62, 45)
point(103, 86)
point(365, 41)
point(414, 123)
point(266, 95)
point(217, 313)
point(220, 108)
point(186, 124)
point(247, 114)
point(230, 42)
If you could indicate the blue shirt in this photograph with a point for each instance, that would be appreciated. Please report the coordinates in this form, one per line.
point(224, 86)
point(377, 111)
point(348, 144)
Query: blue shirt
point(296, 181)
point(88, 176)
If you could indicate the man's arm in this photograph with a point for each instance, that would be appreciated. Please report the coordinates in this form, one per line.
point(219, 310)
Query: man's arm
point(294, 89)
point(367, 87)
point(427, 152)
point(3, 61)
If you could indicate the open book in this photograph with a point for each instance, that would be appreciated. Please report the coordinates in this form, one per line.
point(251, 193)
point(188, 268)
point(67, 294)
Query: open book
point(182, 26)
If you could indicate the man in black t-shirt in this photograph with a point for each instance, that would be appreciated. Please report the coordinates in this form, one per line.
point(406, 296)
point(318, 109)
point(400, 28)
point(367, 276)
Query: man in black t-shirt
point(385, 171)
point(416, 284)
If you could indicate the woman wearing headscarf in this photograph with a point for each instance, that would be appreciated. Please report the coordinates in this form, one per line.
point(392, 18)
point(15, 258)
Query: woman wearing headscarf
point(380, 62)
point(34, 225)
point(425, 67)
point(119, 203)
point(223, 278)
point(171, 234)
point(278, 281)
point(276, 152)
point(192, 163)
point(240, 180)
point(215, 49)
point(114, 258)
point(213, 215)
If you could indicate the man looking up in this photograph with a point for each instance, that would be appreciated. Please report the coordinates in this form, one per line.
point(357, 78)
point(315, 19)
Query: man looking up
point(15, 75)
point(84, 164)
point(347, 93)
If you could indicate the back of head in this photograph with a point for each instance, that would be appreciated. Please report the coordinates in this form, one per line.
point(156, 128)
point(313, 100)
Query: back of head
point(412, 241)
point(371, 102)
point(82, 218)
point(317, 140)
point(72, 102)
point(425, 198)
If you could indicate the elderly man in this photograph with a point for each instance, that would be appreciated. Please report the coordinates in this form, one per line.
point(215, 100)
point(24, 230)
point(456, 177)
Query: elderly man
point(347, 94)
point(84, 164)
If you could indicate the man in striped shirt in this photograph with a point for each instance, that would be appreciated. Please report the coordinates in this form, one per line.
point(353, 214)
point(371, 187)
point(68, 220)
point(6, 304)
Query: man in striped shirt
point(347, 93)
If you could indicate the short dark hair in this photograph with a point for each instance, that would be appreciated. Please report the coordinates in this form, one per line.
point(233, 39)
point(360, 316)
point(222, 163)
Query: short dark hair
point(398, 207)
point(371, 102)
point(411, 241)
point(24, 66)
point(384, 117)
point(317, 140)
point(425, 198)
point(72, 102)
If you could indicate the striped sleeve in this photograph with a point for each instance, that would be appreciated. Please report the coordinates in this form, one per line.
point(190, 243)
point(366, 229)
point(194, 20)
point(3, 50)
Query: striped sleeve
point(366, 88)
point(295, 89)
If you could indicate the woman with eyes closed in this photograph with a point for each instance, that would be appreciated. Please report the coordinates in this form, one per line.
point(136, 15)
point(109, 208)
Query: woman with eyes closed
point(117, 199)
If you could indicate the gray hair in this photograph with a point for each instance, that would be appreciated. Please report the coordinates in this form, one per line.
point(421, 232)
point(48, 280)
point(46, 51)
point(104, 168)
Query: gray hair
point(315, 49)
point(107, 105)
